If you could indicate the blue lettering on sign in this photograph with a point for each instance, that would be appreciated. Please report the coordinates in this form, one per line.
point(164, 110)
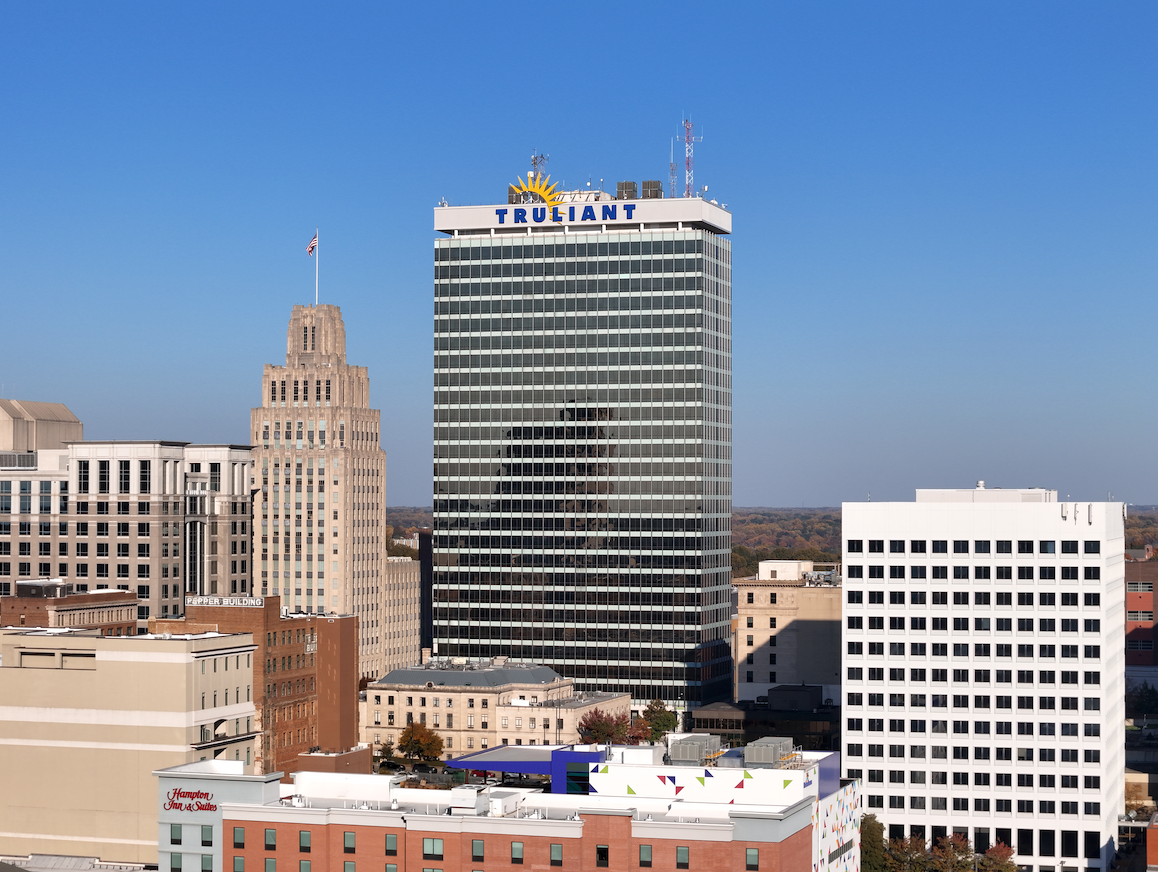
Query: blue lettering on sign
point(539, 214)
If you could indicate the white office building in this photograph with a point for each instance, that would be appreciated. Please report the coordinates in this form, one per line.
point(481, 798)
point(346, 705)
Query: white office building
point(984, 670)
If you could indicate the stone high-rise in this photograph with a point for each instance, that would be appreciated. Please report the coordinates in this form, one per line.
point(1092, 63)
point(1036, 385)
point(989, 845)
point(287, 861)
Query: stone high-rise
point(323, 484)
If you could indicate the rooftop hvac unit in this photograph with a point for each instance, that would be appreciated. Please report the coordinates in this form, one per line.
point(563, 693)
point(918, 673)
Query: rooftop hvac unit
point(626, 191)
point(652, 189)
point(513, 195)
point(770, 749)
point(694, 748)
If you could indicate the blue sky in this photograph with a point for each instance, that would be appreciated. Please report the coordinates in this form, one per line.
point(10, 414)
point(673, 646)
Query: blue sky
point(945, 214)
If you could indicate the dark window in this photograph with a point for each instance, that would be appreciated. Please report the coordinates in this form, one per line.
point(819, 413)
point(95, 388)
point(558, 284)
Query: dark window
point(601, 856)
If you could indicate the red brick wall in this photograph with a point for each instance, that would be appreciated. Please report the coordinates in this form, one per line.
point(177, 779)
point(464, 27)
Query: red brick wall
point(327, 852)
point(1152, 844)
point(1143, 602)
point(35, 611)
point(337, 682)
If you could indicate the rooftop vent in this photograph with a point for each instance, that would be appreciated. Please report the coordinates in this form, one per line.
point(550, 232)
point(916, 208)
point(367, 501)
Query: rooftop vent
point(652, 189)
point(626, 191)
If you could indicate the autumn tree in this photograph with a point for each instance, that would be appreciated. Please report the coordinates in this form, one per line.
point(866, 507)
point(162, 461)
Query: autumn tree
point(418, 741)
point(872, 844)
point(999, 858)
point(660, 721)
point(602, 728)
point(952, 854)
point(907, 855)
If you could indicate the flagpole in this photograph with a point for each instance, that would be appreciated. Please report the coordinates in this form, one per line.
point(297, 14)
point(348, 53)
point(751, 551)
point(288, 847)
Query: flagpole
point(317, 256)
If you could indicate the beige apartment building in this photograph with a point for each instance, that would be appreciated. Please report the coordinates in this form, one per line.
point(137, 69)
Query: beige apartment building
point(156, 518)
point(474, 705)
point(86, 718)
point(323, 485)
point(401, 595)
point(787, 629)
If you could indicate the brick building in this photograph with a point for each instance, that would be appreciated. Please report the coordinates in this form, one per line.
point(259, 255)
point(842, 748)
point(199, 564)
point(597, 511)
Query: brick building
point(1140, 637)
point(305, 676)
point(55, 603)
point(609, 807)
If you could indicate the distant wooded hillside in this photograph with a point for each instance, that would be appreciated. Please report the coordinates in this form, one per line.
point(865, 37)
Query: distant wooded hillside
point(789, 534)
point(1141, 526)
point(406, 519)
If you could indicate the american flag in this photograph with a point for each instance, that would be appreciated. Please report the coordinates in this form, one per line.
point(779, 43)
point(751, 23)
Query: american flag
point(313, 244)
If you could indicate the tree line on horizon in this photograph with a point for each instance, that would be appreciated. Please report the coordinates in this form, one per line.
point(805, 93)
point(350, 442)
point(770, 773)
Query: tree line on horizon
point(787, 534)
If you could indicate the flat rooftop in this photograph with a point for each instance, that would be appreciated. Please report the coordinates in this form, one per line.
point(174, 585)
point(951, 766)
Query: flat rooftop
point(475, 673)
point(575, 216)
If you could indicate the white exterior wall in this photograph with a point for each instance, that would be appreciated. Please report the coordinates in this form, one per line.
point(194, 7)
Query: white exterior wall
point(889, 780)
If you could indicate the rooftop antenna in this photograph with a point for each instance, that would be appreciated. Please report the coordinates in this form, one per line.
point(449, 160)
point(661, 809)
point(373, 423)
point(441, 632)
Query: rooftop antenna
point(672, 185)
point(539, 163)
point(689, 140)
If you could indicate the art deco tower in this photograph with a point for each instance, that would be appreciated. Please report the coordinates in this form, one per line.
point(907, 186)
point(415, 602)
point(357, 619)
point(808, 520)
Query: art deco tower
point(323, 483)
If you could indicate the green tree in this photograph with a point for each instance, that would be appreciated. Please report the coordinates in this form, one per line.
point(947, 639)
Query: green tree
point(1141, 699)
point(872, 844)
point(603, 728)
point(659, 719)
point(418, 741)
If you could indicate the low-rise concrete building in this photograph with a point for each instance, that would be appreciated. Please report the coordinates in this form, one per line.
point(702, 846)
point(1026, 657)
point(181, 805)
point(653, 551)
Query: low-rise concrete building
point(787, 629)
point(475, 705)
point(86, 718)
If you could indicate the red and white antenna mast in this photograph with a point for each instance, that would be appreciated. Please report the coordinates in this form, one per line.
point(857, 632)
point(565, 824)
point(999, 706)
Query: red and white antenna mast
point(688, 142)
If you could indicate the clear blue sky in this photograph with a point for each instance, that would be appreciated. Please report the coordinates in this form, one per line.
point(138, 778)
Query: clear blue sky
point(945, 214)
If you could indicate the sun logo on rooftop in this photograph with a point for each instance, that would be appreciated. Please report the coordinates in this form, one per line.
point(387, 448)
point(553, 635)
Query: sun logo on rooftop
point(537, 189)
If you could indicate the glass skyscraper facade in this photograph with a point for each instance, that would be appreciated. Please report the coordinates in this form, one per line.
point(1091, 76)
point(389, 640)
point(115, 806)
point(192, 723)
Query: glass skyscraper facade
point(582, 444)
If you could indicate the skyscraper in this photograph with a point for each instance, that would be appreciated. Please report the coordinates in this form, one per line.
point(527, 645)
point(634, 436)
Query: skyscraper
point(323, 483)
point(582, 438)
point(984, 670)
